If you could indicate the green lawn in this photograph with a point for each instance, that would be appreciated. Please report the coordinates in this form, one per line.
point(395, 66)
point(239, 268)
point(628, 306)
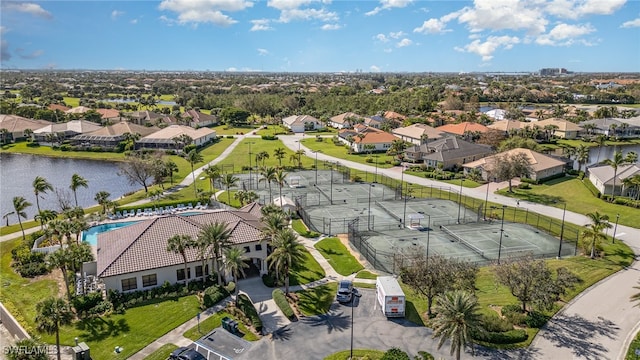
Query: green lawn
point(307, 271)
point(231, 130)
point(22, 148)
point(215, 321)
point(162, 353)
point(357, 354)
point(633, 347)
point(273, 130)
point(327, 147)
point(240, 156)
point(317, 300)
point(578, 199)
point(339, 256)
point(299, 227)
point(365, 274)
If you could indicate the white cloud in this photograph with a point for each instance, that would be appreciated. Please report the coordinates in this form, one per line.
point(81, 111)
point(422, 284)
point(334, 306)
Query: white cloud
point(28, 56)
point(374, 68)
point(631, 23)
point(574, 9)
point(204, 11)
point(28, 8)
point(3, 29)
point(261, 25)
point(404, 42)
point(115, 14)
point(381, 37)
point(396, 35)
point(287, 4)
point(504, 15)
point(487, 48)
point(432, 26)
point(387, 5)
point(232, 69)
point(564, 34)
point(263, 52)
point(133, 21)
point(328, 27)
point(289, 15)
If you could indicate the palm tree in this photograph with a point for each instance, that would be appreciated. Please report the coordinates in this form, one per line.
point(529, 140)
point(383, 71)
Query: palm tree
point(45, 216)
point(273, 223)
point(262, 155)
point(601, 140)
point(268, 175)
point(633, 183)
point(228, 180)
point(617, 161)
point(582, 155)
point(287, 252)
point(102, 198)
point(60, 259)
point(76, 182)
point(6, 217)
point(194, 157)
point(212, 173)
point(593, 232)
point(52, 313)
point(40, 186)
point(632, 157)
point(234, 262)
point(171, 167)
point(218, 237)
point(280, 179)
point(279, 154)
point(178, 244)
point(457, 318)
point(19, 207)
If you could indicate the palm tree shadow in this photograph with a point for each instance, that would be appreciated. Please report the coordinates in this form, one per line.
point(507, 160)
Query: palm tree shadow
point(578, 334)
point(332, 320)
point(97, 329)
point(282, 334)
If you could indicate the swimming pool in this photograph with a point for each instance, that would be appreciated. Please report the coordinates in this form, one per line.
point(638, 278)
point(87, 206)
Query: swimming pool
point(91, 235)
point(189, 213)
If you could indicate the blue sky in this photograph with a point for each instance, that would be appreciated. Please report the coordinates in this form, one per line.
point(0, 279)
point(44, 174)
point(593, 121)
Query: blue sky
point(322, 35)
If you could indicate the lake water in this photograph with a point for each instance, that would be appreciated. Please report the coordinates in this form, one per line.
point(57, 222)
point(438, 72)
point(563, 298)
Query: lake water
point(129, 101)
point(18, 171)
point(597, 154)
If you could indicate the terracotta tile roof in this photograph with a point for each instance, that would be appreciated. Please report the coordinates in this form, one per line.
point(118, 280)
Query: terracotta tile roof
point(391, 115)
point(375, 137)
point(143, 246)
point(108, 113)
point(198, 117)
point(415, 131)
point(344, 117)
point(506, 125)
point(461, 128)
point(15, 123)
point(57, 107)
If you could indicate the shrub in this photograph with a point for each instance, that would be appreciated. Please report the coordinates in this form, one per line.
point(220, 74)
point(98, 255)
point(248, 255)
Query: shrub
point(33, 269)
point(507, 337)
point(368, 159)
point(423, 355)
point(65, 147)
point(281, 300)
point(229, 136)
point(535, 319)
point(91, 304)
point(396, 163)
point(269, 137)
point(246, 306)
point(395, 354)
point(268, 280)
point(231, 287)
point(494, 323)
point(213, 295)
point(33, 144)
point(524, 186)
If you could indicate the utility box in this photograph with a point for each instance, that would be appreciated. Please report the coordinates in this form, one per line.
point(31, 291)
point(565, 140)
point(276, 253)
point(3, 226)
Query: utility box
point(81, 352)
point(390, 296)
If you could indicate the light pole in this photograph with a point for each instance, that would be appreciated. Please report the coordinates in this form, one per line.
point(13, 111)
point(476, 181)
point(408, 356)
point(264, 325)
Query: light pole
point(369, 213)
point(404, 214)
point(354, 294)
point(564, 211)
point(460, 199)
point(501, 231)
point(615, 228)
point(299, 163)
point(250, 142)
point(376, 175)
point(428, 232)
point(316, 165)
point(486, 200)
point(331, 186)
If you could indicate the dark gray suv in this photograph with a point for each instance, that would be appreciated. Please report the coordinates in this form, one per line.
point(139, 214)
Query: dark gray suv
point(345, 291)
point(185, 353)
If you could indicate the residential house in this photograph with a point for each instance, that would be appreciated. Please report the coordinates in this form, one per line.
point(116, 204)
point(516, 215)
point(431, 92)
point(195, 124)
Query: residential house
point(166, 138)
point(418, 133)
point(58, 107)
point(630, 127)
point(78, 110)
point(65, 130)
point(602, 178)
point(397, 120)
point(135, 257)
point(16, 125)
point(144, 117)
point(109, 115)
point(198, 119)
point(301, 123)
point(447, 152)
point(110, 136)
point(463, 128)
point(606, 126)
point(563, 129)
point(507, 126)
point(345, 120)
point(374, 121)
point(496, 114)
point(361, 137)
point(543, 166)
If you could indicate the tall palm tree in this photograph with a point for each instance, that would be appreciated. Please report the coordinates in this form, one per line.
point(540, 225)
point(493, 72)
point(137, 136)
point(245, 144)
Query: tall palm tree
point(268, 175)
point(287, 252)
point(633, 183)
point(279, 153)
point(102, 198)
point(218, 237)
point(45, 216)
point(228, 180)
point(262, 156)
point(52, 313)
point(171, 167)
point(60, 259)
point(280, 179)
point(212, 173)
point(593, 231)
point(234, 262)
point(178, 244)
point(6, 216)
point(194, 157)
point(582, 155)
point(76, 182)
point(40, 186)
point(19, 207)
point(601, 140)
point(617, 161)
point(457, 318)
point(79, 253)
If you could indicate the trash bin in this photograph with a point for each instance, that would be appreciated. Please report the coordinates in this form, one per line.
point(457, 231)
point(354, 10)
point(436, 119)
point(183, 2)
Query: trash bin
point(225, 323)
point(233, 326)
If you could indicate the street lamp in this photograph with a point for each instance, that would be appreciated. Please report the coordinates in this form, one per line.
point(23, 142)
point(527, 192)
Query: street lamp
point(564, 211)
point(316, 165)
point(369, 214)
point(428, 232)
point(376, 175)
point(404, 214)
point(331, 186)
point(501, 231)
point(486, 200)
point(354, 294)
point(615, 228)
point(460, 199)
point(250, 142)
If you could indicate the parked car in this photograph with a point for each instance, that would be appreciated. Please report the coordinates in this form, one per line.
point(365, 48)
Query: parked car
point(345, 291)
point(184, 353)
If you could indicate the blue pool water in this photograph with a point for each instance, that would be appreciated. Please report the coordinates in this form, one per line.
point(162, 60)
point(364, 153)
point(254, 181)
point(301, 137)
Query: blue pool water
point(189, 213)
point(91, 235)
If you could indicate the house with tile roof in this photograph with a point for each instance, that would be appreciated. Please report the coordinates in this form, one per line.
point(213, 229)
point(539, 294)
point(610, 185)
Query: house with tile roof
point(374, 121)
point(109, 115)
point(135, 257)
point(67, 129)
point(463, 128)
point(198, 119)
point(361, 135)
point(606, 126)
point(418, 133)
point(78, 110)
point(144, 117)
point(508, 125)
point(447, 153)
point(110, 136)
point(543, 166)
point(165, 138)
point(345, 120)
point(602, 177)
point(562, 128)
point(59, 107)
point(16, 125)
point(301, 123)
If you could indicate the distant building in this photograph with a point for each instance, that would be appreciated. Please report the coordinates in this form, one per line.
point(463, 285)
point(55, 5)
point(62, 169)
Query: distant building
point(553, 71)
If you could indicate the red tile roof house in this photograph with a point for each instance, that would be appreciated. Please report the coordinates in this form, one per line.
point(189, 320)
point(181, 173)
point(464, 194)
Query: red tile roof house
point(199, 119)
point(135, 257)
point(362, 135)
point(462, 128)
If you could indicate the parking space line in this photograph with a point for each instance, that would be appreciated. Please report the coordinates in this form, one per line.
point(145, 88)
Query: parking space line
point(209, 351)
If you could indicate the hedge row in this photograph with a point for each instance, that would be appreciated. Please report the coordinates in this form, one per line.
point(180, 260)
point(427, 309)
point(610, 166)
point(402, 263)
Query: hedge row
point(281, 300)
point(507, 337)
point(246, 306)
point(213, 295)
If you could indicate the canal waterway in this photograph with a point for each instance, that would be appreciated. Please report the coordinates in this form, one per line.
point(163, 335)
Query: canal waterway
point(18, 171)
